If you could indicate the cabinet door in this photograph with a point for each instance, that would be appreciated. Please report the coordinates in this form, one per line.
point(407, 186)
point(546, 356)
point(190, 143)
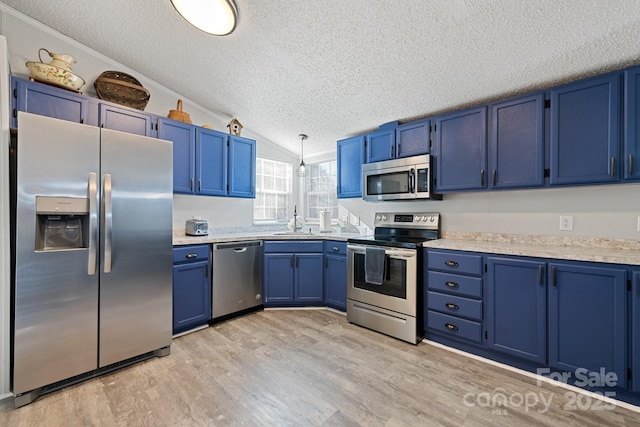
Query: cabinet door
point(211, 162)
point(350, 157)
point(585, 122)
point(242, 167)
point(309, 283)
point(517, 143)
point(517, 307)
point(191, 295)
point(632, 124)
point(183, 136)
point(635, 331)
point(278, 278)
point(412, 139)
point(381, 145)
point(461, 150)
point(126, 120)
point(335, 281)
point(38, 98)
point(588, 319)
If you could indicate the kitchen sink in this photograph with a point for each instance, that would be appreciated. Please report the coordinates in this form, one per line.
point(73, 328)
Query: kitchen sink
point(292, 233)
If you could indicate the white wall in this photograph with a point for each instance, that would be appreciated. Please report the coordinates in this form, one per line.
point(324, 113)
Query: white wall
point(609, 211)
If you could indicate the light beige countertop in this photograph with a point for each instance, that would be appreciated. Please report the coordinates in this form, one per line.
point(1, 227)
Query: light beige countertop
point(179, 238)
point(615, 251)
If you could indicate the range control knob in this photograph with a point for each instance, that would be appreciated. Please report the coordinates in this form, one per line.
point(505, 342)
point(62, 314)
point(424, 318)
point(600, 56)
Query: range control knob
point(424, 218)
point(378, 217)
point(432, 218)
point(384, 217)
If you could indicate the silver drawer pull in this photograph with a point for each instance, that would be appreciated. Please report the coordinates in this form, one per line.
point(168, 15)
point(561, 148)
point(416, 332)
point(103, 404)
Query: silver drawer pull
point(452, 284)
point(451, 263)
point(191, 256)
point(451, 327)
point(336, 249)
point(452, 306)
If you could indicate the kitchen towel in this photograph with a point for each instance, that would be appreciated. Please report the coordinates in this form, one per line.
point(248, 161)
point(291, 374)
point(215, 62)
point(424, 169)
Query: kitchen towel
point(374, 261)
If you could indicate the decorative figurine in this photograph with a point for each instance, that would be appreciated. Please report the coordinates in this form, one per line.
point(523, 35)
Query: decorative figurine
point(235, 127)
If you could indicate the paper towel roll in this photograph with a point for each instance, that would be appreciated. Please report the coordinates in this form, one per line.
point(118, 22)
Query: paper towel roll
point(325, 221)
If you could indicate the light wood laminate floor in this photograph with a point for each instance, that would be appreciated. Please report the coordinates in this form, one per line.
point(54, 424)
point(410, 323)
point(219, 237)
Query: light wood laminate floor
point(307, 368)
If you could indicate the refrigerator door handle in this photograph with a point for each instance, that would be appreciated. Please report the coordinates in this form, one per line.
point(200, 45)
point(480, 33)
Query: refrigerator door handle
point(93, 224)
point(108, 222)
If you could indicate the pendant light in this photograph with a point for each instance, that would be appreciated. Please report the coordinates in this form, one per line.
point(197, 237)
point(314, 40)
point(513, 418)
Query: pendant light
point(217, 17)
point(302, 168)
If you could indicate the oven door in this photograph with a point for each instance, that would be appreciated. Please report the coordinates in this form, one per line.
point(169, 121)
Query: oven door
point(387, 183)
point(399, 286)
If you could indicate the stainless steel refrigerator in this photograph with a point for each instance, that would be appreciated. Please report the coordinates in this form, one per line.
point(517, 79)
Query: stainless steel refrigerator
point(93, 252)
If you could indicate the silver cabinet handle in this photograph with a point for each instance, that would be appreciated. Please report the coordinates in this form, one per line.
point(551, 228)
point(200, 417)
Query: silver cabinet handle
point(452, 284)
point(391, 151)
point(451, 263)
point(199, 184)
point(335, 249)
point(93, 223)
point(482, 177)
point(452, 306)
point(495, 173)
point(630, 164)
point(191, 256)
point(451, 326)
point(613, 167)
point(108, 222)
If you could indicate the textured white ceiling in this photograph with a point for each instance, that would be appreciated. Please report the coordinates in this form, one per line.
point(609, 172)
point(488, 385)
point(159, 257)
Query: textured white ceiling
point(335, 68)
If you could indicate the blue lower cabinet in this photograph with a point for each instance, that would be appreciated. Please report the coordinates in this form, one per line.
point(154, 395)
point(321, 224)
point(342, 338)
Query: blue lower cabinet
point(293, 273)
point(588, 320)
point(635, 331)
point(517, 308)
point(191, 287)
point(335, 274)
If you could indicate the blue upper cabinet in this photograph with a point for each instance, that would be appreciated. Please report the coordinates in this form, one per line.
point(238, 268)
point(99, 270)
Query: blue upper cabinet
point(517, 307)
point(632, 124)
point(211, 166)
point(516, 151)
point(242, 167)
point(585, 131)
point(127, 120)
point(412, 139)
point(381, 145)
point(183, 136)
point(350, 158)
point(39, 98)
point(588, 319)
point(461, 150)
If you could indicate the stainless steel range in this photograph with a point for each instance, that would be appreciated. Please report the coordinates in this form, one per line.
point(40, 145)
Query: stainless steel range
point(384, 284)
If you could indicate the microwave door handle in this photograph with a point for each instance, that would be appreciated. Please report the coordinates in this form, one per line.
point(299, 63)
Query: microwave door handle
point(412, 181)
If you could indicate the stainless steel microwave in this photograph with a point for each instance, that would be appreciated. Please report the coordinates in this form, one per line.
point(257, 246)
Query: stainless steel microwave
point(400, 179)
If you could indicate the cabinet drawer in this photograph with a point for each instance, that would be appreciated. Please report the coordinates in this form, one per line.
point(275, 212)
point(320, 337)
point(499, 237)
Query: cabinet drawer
point(455, 326)
point(457, 306)
point(335, 248)
point(455, 262)
point(292, 246)
point(190, 253)
point(455, 284)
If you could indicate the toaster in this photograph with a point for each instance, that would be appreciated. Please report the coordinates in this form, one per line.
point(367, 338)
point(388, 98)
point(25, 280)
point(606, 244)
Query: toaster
point(196, 227)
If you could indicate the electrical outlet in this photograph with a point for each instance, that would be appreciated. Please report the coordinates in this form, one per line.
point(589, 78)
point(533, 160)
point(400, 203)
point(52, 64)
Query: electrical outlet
point(566, 223)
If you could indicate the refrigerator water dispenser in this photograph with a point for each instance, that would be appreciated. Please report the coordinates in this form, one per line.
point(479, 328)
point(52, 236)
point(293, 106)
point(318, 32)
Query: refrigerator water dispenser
point(62, 223)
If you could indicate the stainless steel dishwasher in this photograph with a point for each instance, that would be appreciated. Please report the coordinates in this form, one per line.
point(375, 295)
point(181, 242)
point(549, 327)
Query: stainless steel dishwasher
point(237, 277)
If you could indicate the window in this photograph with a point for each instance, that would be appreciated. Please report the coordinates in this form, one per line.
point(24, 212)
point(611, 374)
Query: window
point(320, 186)
point(273, 190)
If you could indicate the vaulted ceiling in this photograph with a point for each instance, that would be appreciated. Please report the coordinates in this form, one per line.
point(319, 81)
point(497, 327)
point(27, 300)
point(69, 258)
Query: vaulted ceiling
point(335, 68)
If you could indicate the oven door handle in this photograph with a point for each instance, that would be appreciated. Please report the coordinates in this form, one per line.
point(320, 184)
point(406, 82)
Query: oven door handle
point(389, 252)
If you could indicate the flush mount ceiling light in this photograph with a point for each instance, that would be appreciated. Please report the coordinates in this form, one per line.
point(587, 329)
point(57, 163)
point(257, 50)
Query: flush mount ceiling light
point(217, 17)
point(302, 168)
